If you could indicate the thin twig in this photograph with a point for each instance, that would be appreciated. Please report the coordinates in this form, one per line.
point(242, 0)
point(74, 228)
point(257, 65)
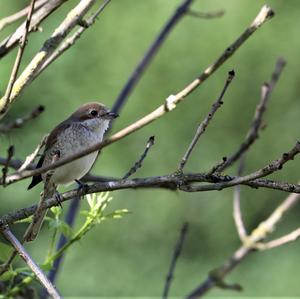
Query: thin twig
point(139, 163)
point(49, 46)
point(150, 54)
point(30, 262)
point(252, 134)
point(72, 39)
point(265, 14)
point(251, 242)
point(6, 99)
point(45, 11)
point(176, 254)
point(205, 15)
point(30, 158)
point(203, 125)
point(216, 167)
point(10, 153)
point(21, 121)
point(20, 14)
point(237, 212)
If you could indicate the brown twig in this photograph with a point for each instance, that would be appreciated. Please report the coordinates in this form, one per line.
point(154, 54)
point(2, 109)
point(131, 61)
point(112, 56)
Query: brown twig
point(21, 121)
point(203, 125)
point(9, 236)
point(252, 134)
point(6, 99)
point(20, 14)
point(265, 14)
point(176, 254)
point(48, 48)
point(10, 153)
point(139, 163)
point(12, 40)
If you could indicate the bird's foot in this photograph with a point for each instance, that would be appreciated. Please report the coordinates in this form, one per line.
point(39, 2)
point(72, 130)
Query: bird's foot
point(58, 198)
point(82, 186)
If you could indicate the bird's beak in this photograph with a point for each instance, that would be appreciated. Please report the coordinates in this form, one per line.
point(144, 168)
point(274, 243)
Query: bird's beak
point(111, 115)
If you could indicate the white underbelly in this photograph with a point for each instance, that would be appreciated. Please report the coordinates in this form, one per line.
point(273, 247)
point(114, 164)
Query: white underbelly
point(75, 170)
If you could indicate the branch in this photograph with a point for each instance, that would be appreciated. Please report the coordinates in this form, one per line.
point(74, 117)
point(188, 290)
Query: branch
point(205, 15)
point(176, 254)
point(138, 164)
point(11, 41)
point(252, 134)
point(27, 76)
point(203, 125)
point(266, 227)
point(20, 14)
point(6, 99)
point(21, 121)
point(30, 262)
point(171, 102)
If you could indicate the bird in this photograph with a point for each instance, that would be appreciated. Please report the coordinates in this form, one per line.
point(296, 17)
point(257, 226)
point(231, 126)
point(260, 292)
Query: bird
point(81, 130)
point(84, 128)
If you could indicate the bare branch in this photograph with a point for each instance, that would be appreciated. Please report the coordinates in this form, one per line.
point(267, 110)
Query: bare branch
point(20, 14)
point(251, 242)
point(30, 262)
point(6, 99)
point(72, 19)
point(11, 41)
point(138, 164)
point(171, 102)
point(176, 254)
point(21, 121)
point(203, 125)
point(252, 134)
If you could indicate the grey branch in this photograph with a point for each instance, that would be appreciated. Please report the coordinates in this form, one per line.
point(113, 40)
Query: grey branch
point(252, 134)
point(138, 164)
point(30, 262)
point(203, 125)
point(265, 14)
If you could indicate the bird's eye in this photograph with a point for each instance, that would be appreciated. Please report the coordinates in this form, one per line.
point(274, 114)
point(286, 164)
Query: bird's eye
point(94, 113)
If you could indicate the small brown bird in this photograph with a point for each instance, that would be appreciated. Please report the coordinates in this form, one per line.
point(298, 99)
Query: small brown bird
point(84, 128)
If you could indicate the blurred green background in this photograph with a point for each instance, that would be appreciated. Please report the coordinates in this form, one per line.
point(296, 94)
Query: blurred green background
point(130, 257)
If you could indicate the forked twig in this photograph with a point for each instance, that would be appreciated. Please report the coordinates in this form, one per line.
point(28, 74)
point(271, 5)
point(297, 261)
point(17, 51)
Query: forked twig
point(203, 125)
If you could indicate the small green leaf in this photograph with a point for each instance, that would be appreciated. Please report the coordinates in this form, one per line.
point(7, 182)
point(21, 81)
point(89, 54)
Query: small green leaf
point(8, 275)
point(56, 211)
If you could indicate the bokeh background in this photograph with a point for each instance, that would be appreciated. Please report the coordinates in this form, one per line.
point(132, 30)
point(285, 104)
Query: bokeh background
point(130, 257)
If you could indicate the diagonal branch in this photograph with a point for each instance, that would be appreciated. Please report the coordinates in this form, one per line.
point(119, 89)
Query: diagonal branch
point(30, 262)
point(6, 99)
point(265, 14)
point(203, 125)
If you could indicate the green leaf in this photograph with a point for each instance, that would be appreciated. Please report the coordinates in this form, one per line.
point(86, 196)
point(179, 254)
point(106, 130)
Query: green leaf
point(8, 275)
point(5, 251)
